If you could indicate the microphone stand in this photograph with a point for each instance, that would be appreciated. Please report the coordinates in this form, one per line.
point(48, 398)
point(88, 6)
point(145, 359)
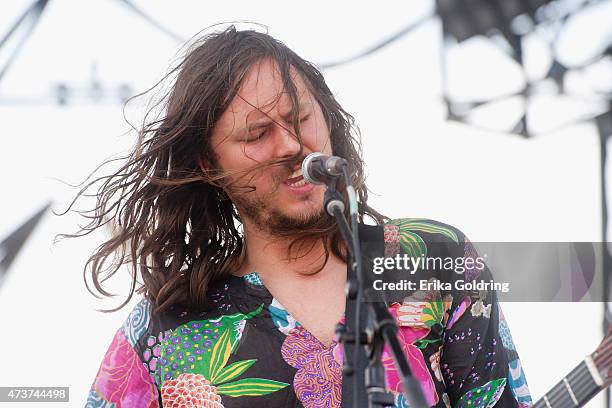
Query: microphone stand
point(382, 330)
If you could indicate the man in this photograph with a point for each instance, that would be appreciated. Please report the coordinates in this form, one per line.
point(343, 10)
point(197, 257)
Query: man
point(246, 318)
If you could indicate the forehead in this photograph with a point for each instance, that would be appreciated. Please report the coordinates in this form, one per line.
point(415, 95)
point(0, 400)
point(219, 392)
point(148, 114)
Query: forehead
point(263, 85)
point(262, 91)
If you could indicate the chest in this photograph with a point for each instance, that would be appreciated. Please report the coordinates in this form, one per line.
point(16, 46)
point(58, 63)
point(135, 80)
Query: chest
point(318, 314)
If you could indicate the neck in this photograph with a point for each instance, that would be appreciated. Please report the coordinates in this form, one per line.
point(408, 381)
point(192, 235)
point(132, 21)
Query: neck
point(269, 255)
point(316, 300)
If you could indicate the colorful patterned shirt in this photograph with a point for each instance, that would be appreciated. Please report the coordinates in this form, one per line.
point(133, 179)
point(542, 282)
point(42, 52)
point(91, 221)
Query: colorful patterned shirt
point(248, 351)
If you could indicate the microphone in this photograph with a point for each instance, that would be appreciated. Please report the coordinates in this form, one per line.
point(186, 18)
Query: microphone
point(318, 168)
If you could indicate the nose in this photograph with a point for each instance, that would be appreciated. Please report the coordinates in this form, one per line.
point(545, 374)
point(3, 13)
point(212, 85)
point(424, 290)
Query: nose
point(286, 142)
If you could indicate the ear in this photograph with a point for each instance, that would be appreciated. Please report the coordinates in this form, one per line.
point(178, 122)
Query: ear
point(204, 164)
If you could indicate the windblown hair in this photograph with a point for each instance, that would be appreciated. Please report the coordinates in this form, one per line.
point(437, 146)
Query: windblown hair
point(173, 222)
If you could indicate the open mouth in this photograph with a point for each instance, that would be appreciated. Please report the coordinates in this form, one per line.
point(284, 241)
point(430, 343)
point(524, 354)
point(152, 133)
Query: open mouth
point(296, 179)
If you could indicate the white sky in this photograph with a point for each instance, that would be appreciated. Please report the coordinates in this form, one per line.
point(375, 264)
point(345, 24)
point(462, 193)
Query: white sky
point(493, 186)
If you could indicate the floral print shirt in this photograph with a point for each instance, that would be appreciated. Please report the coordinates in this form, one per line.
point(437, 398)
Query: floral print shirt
point(248, 351)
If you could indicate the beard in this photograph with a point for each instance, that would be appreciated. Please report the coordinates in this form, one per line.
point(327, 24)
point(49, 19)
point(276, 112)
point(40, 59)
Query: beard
point(278, 223)
point(302, 231)
point(259, 209)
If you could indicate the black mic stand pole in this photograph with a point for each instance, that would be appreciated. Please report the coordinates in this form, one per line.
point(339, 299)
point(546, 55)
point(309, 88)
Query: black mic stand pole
point(383, 330)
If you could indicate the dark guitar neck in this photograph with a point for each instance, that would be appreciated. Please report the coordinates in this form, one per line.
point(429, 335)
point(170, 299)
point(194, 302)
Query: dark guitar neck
point(575, 390)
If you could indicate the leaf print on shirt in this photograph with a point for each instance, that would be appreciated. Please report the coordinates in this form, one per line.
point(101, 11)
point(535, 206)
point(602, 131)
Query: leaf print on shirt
point(424, 309)
point(483, 397)
point(412, 243)
point(407, 337)
point(203, 348)
point(122, 379)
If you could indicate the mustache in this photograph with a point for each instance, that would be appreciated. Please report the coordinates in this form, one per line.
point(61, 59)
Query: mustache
point(286, 168)
point(280, 170)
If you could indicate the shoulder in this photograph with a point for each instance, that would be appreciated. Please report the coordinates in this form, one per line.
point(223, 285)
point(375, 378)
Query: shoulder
point(122, 377)
point(137, 322)
point(424, 228)
point(424, 236)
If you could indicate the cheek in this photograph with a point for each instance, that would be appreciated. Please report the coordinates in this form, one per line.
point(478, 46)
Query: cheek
point(242, 156)
point(328, 148)
point(255, 153)
point(243, 162)
point(316, 136)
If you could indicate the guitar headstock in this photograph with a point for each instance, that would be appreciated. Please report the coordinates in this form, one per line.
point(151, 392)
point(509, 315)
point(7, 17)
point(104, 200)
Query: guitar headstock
point(602, 357)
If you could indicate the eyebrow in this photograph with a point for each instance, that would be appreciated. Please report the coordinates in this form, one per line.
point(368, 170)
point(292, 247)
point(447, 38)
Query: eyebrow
point(261, 123)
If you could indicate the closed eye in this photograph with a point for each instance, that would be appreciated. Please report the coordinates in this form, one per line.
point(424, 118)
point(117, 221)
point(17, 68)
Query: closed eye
point(256, 136)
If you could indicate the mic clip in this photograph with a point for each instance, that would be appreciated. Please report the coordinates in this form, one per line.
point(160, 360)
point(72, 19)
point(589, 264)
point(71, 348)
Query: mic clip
point(333, 201)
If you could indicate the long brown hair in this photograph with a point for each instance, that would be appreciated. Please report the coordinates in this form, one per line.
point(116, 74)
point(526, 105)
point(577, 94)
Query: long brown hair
point(173, 223)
